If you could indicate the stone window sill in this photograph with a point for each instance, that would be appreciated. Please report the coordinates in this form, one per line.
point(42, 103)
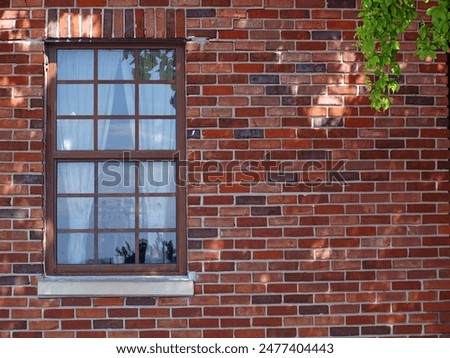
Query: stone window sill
point(122, 286)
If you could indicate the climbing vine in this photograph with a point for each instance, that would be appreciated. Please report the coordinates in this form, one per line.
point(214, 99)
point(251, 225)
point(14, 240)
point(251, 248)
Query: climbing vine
point(383, 22)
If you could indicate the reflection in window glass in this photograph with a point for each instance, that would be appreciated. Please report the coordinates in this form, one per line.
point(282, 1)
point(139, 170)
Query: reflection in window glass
point(116, 177)
point(116, 64)
point(161, 247)
point(157, 177)
point(75, 99)
point(115, 99)
point(75, 178)
point(157, 134)
point(75, 249)
point(115, 134)
point(116, 213)
point(157, 99)
point(157, 212)
point(116, 248)
point(75, 64)
point(75, 213)
point(114, 160)
point(157, 65)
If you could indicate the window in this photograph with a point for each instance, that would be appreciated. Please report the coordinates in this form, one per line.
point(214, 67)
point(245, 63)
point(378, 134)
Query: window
point(115, 141)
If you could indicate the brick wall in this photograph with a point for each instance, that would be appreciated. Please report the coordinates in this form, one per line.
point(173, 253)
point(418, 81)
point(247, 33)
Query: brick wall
point(309, 214)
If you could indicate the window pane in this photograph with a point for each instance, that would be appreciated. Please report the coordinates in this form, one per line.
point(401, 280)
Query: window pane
point(116, 99)
point(75, 213)
point(157, 134)
point(161, 247)
point(75, 134)
point(115, 248)
point(75, 178)
point(157, 99)
point(116, 213)
point(75, 99)
point(116, 134)
point(116, 64)
point(75, 248)
point(157, 212)
point(157, 65)
point(157, 177)
point(75, 65)
point(116, 177)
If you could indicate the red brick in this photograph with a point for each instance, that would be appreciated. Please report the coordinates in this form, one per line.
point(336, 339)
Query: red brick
point(57, 3)
point(254, 90)
point(93, 3)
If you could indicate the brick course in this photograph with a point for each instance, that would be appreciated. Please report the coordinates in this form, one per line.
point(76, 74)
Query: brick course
point(327, 218)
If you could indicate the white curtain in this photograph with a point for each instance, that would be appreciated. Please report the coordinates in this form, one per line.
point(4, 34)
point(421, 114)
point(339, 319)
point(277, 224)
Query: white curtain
point(76, 178)
point(107, 63)
point(75, 64)
point(75, 134)
point(113, 66)
point(158, 178)
point(157, 211)
point(75, 99)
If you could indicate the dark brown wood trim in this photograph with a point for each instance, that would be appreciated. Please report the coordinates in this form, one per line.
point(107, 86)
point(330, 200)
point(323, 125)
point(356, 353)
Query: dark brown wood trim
point(177, 155)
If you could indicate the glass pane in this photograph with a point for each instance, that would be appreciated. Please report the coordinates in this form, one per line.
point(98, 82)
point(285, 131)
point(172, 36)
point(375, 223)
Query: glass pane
point(75, 99)
point(157, 212)
point(157, 99)
point(75, 134)
point(116, 134)
point(157, 177)
point(75, 248)
point(75, 178)
point(116, 64)
point(116, 248)
point(157, 65)
point(116, 99)
point(75, 213)
point(116, 213)
point(75, 65)
point(116, 177)
point(157, 134)
point(161, 247)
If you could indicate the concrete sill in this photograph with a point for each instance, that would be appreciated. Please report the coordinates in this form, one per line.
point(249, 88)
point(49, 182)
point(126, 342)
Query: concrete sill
point(116, 286)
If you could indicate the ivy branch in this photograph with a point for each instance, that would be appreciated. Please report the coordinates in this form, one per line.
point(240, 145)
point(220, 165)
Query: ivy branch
point(383, 23)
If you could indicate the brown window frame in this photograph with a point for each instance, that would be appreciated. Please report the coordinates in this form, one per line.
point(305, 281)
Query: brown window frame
point(53, 156)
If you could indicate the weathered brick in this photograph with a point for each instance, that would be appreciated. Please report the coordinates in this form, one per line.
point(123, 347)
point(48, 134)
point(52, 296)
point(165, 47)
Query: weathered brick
point(28, 179)
point(108, 324)
point(326, 35)
point(248, 133)
point(202, 233)
point(266, 211)
point(27, 268)
point(264, 79)
point(197, 13)
point(310, 68)
point(140, 301)
point(341, 4)
point(266, 299)
point(311, 175)
point(14, 280)
point(14, 213)
point(313, 309)
point(419, 100)
point(344, 331)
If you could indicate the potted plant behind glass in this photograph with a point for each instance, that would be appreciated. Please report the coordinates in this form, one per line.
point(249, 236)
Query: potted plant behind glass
point(124, 254)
